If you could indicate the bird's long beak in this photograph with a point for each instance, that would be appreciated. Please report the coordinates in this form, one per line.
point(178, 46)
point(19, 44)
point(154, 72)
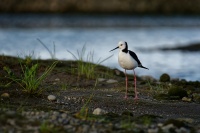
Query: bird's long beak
point(114, 49)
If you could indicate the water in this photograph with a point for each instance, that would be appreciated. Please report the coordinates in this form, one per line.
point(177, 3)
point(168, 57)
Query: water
point(100, 35)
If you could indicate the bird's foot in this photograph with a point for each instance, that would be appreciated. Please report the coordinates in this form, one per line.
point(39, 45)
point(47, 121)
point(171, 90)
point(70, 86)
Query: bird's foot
point(126, 97)
point(136, 98)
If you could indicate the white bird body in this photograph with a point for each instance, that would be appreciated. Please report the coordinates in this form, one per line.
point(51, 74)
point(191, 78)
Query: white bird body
point(126, 61)
point(129, 61)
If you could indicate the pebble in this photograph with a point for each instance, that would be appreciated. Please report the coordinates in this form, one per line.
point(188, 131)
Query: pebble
point(187, 120)
point(160, 124)
point(111, 81)
point(71, 124)
point(101, 79)
point(153, 130)
point(182, 130)
point(196, 97)
point(51, 97)
point(99, 111)
point(167, 128)
point(11, 113)
point(64, 115)
point(5, 95)
point(57, 79)
point(186, 99)
point(109, 95)
point(148, 78)
point(117, 72)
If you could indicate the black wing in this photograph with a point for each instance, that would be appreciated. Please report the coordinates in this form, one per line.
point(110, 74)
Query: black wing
point(136, 58)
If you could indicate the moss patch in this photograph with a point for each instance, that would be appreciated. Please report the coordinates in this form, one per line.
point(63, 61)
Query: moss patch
point(176, 92)
point(165, 77)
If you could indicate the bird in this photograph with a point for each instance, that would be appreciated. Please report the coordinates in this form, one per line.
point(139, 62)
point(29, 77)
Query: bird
point(128, 60)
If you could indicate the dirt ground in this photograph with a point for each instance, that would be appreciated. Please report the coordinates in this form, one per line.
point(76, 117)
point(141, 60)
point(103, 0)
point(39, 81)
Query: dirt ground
point(74, 92)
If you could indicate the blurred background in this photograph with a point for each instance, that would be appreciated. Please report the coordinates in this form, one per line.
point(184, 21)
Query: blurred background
point(165, 34)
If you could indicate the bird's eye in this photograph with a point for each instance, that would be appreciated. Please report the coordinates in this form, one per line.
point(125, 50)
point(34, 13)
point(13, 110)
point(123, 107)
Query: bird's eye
point(121, 45)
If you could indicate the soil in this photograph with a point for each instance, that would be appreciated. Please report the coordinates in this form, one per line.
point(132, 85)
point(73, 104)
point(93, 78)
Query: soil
point(74, 92)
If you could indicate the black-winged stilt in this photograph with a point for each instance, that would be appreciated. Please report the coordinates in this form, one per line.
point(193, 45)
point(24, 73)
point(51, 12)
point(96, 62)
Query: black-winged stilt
point(129, 61)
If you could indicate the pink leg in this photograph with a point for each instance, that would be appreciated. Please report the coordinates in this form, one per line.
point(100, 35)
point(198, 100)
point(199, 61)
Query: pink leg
point(126, 85)
point(136, 97)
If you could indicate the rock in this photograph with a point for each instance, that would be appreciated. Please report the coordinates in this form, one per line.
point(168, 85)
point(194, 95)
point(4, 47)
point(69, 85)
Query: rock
point(153, 130)
point(111, 81)
point(148, 78)
point(5, 95)
point(51, 97)
point(109, 95)
point(196, 97)
point(11, 113)
point(187, 120)
point(175, 123)
point(168, 128)
point(57, 79)
point(182, 130)
point(64, 115)
point(175, 79)
point(165, 77)
point(117, 72)
point(177, 92)
point(160, 124)
point(186, 99)
point(101, 79)
point(99, 111)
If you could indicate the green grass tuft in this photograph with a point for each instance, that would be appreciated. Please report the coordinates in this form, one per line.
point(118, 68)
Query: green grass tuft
point(29, 80)
point(86, 65)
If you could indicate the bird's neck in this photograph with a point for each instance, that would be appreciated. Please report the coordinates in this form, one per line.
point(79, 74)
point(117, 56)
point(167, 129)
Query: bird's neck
point(125, 50)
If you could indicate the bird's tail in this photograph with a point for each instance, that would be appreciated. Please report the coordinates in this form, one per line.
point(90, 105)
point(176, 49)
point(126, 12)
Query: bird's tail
point(143, 66)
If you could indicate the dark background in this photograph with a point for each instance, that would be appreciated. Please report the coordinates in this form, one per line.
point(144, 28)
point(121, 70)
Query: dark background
point(167, 7)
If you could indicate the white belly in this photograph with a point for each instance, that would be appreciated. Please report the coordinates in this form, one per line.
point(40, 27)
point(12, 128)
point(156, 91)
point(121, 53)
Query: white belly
point(126, 61)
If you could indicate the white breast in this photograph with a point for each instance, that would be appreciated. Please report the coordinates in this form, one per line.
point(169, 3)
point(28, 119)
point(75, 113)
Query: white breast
point(126, 61)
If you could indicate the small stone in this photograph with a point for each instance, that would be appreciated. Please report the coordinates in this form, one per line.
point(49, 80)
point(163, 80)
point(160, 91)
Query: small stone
point(11, 113)
point(186, 99)
point(196, 97)
point(175, 79)
point(117, 72)
point(54, 117)
point(68, 126)
point(51, 97)
point(57, 79)
point(148, 78)
point(182, 130)
point(99, 111)
point(60, 120)
point(5, 95)
point(37, 113)
point(83, 128)
point(101, 79)
point(187, 120)
point(32, 113)
point(64, 115)
point(111, 81)
point(56, 113)
point(153, 130)
point(109, 95)
point(160, 124)
point(167, 128)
